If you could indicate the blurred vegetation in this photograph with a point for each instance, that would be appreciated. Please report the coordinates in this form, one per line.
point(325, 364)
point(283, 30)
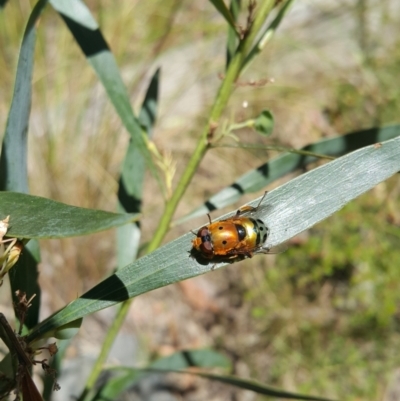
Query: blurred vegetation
point(326, 316)
point(329, 310)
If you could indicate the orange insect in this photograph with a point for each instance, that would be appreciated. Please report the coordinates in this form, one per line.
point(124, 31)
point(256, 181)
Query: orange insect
point(231, 239)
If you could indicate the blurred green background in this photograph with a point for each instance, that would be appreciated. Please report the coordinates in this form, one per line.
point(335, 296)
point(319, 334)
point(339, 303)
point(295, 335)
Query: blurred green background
point(322, 317)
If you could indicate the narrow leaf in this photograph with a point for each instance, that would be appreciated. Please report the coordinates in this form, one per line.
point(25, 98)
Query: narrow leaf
point(287, 211)
point(267, 34)
point(233, 40)
point(13, 159)
point(148, 111)
point(223, 10)
point(123, 378)
point(129, 376)
point(68, 330)
point(278, 167)
point(36, 217)
point(131, 181)
point(257, 387)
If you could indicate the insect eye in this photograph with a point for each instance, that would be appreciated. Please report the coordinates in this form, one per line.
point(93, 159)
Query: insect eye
point(220, 228)
point(207, 246)
point(206, 238)
point(224, 242)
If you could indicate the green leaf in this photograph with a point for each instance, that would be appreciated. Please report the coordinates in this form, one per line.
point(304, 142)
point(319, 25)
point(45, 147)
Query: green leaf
point(123, 378)
point(8, 365)
point(223, 10)
point(86, 32)
point(129, 376)
point(13, 160)
point(131, 181)
point(67, 331)
point(264, 123)
point(148, 111)
point(267, 33)
point(278, 167)
point(287, 211)
point(36, 217)
point(130, 200)
point(233, 40)
point(257, 387)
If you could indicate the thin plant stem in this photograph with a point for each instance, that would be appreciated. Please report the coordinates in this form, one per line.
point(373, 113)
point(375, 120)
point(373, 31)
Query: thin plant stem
point(203, 144)
point(277, 149)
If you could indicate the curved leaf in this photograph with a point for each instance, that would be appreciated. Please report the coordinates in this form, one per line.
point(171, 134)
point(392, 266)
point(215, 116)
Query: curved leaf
point(286, 163)
point(130, 376)
point(67, 331)
point(123, 378)
point(36, 217)
point(287, 211)
point(257, 387)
